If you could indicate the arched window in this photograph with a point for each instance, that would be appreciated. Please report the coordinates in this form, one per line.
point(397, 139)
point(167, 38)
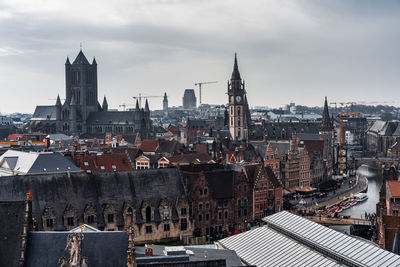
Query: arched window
point(148, 214)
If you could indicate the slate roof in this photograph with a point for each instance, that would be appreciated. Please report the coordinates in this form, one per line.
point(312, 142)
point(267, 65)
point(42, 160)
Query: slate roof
point(101, 248)
point(274, 129)
point(197, 124)
point(111, 117)
point(81, 59)
point(44, 113)
point(80, 188)
point(282, 147)
point(397, 131)
point(167, 146)
point(200, 254)
point(12, 218)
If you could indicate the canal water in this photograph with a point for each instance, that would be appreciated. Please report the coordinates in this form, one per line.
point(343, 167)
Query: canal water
point(374, 186)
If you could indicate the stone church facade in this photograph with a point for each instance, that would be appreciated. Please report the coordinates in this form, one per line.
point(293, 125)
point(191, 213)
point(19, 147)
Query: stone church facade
point(82, 114)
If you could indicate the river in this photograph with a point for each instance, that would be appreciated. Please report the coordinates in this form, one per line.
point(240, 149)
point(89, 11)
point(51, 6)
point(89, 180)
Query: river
point(374, 187)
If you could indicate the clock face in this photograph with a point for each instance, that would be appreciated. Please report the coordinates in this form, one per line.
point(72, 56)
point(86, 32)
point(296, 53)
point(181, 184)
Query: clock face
point(232, 98)
point(238, 98)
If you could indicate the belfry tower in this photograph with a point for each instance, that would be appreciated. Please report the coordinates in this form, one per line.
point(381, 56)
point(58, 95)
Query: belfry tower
point(238, 108)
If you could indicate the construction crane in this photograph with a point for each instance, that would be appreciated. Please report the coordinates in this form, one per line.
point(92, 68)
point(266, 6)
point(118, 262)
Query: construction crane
point(200, 84)
point(123, 105)
point(342, 153)
point(140, 96)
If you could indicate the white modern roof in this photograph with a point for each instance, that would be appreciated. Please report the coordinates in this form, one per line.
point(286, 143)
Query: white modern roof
point(290, 240)
point(14, 162)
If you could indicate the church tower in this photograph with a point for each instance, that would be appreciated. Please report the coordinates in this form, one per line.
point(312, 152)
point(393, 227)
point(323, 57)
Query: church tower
point(81, 83)
point(238, 108)
point(165, 102)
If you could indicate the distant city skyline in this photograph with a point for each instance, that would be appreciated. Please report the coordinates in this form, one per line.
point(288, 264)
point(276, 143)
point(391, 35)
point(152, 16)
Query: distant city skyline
point(288, 51)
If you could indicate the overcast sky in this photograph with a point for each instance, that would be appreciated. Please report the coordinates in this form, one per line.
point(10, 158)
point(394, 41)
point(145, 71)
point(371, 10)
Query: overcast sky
point(288, 51)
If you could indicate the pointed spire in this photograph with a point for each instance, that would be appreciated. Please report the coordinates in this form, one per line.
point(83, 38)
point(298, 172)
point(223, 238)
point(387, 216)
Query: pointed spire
point(137, 104)
point(105, 101)
point(94, 62)
point(81, 59)
point(67, 62)
point(146, 107)
point(326, 124)
point(235, 73)
point(58, 102)
point(73, 101)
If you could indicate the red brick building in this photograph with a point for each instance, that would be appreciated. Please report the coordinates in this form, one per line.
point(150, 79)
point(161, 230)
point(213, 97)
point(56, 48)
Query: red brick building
point(220, 200)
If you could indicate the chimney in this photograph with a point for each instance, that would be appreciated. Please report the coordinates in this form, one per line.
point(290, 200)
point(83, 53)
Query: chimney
point(27, 226)
point(148, 252)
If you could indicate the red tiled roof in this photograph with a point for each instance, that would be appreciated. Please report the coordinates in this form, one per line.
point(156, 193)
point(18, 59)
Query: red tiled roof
point(189, 158)
point(394, 187)
point(149, 145)
point(103, 163)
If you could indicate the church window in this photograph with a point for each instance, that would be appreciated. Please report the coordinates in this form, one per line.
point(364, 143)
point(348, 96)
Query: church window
point(166, 227)
point(49, 223)
point(90, 219)
point(70, 221)
point(205, 191)
point(183, 212)
point(149, 229)
point(238, 122)
point(183, 224)
point(110, 218)
point(238, 111)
